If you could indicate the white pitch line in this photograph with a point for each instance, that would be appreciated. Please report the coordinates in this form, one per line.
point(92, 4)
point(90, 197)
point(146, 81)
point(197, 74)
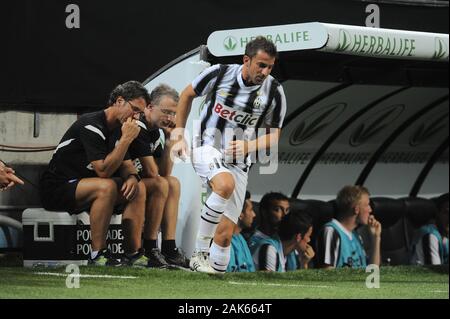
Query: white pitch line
point(83, 276)
point(276, 285)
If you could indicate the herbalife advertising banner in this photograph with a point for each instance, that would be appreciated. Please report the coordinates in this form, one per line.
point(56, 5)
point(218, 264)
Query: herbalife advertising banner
point(364, 41)
point(386, 43)
point(290, 37)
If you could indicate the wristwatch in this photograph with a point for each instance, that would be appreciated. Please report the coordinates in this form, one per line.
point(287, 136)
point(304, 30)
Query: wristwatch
point(136, 176)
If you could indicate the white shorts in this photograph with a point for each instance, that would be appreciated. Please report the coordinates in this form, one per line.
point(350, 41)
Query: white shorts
point(208, 162)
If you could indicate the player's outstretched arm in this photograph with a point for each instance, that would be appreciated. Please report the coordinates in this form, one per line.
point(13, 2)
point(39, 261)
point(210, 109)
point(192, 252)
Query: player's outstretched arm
point(184, 106)
point(179, 148)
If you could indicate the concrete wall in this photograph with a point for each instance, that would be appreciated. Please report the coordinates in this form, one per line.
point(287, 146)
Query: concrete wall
point(17, 129)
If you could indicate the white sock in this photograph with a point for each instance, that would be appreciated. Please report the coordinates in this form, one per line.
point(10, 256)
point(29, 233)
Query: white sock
point(94, 254)
point(219, 257)
point(211, 213)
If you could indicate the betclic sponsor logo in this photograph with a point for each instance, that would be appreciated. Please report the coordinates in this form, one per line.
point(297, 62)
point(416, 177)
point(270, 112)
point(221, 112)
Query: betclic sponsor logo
point(235, 116)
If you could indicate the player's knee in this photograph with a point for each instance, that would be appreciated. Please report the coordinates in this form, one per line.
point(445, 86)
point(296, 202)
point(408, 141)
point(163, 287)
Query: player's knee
point(227, 190)
point(224, 186)
point(106, 188)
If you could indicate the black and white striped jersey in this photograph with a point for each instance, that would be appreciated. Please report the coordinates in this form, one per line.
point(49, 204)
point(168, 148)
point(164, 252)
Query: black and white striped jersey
point(426, 251)
point(328, 246)
point(234, 111)
point(267, 257)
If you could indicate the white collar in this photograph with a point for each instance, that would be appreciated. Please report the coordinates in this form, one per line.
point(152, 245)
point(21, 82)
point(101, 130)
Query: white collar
point(345, 230)
point(261, 234)
point(241, 81)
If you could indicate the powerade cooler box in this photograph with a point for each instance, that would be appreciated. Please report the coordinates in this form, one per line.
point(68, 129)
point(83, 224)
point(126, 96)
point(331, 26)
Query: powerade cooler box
point(57, 238)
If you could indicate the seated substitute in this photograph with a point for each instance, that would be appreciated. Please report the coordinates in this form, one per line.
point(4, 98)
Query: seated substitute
point(152, 151)
point(339, 244)
point(294, 233)
point(430, 246)
point(301, 256)
point(272, 208)
point(82, 172)
point(240, 257)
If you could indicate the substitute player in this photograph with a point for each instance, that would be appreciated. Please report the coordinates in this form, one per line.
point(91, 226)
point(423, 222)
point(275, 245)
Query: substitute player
point(240, 100)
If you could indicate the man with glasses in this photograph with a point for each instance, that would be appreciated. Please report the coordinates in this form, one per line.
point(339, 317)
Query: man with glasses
point(86, 172)
point(151, 149)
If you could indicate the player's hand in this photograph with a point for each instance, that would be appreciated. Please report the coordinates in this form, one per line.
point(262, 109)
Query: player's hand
point(180, 147)
point(374, 226)
point(130, 130)
point(237, 149)
point(130, 188)
point(180, 150)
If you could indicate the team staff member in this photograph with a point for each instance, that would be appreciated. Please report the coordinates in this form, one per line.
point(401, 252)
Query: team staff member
point(152, 151)
point(80, 172)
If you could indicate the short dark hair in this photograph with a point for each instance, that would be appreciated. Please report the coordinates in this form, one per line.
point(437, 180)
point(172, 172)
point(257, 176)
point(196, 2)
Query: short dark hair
point(347, 198)
point(129, 91)
point(296, 222)
point(263, 44)
point(267, 199)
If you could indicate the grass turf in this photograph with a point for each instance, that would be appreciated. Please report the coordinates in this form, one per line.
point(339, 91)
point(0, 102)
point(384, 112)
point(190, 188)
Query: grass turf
point(395, 282)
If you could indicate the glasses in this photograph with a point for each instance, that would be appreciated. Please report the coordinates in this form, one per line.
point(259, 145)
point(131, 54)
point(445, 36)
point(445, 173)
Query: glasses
point(135, 109)
point(166, 111)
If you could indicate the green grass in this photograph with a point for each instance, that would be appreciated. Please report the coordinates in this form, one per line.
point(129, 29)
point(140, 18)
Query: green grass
point(395, 282)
